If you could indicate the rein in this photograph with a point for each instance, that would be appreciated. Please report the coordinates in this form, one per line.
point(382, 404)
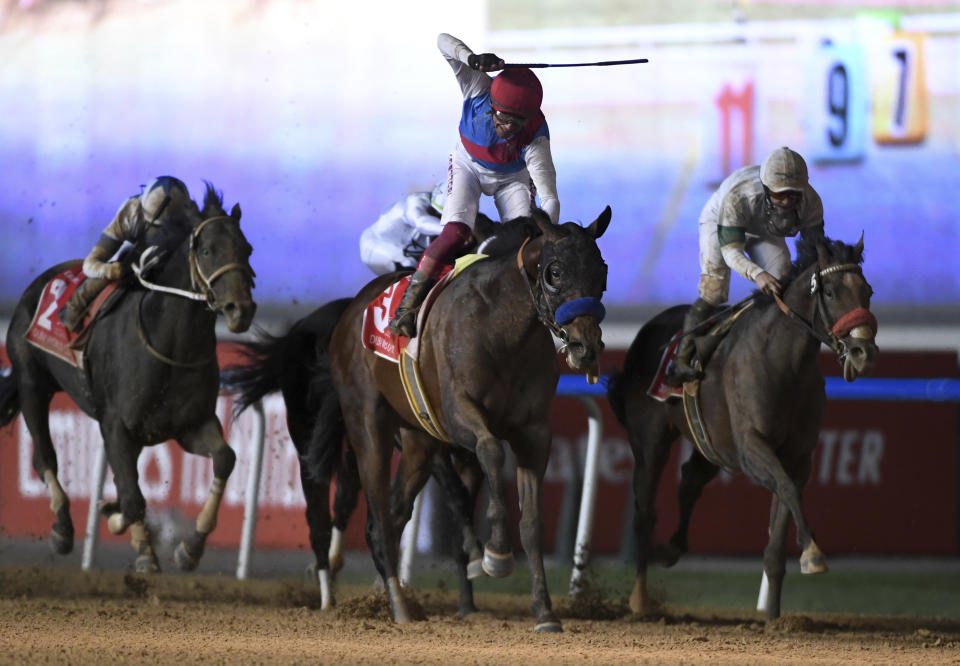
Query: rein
point(206, 293)
point(159, 356)
point(843, 325)
point(555, 318)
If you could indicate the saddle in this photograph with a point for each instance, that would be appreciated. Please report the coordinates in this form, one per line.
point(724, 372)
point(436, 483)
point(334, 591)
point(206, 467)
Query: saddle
point(48, 333)
point(402, 350)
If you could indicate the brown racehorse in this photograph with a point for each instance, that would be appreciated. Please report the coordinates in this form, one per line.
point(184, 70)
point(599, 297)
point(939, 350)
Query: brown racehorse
point(489, 368)
point(151, 373)
point(762, 400)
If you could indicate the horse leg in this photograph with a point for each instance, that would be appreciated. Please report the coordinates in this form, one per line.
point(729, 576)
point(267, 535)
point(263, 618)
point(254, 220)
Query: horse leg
point(344, 504)
point(497, 553)
point(35, 407)
point(130, 511)
point(761, 465)
point(775, 556)
point(462, 497)
point(207, 440)
point(650, 436)
point(373, 452)
point(317, 496)
point(532, 458)
point(695, 474)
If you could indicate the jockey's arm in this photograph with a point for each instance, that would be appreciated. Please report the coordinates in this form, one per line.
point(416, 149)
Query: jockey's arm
point(417, 212)
point(544, 176)
point(732, 243)
point(472, 82)
point(121, 228)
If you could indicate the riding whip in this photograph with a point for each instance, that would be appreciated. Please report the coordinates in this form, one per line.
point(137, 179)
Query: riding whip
point(603, 63)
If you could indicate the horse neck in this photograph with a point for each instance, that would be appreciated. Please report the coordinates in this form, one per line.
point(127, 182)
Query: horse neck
point(789, 342)
point(174, 316)
point(514, 314)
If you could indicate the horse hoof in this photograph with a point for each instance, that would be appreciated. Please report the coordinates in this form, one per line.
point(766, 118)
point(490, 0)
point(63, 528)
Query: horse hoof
point(146, 564)
point(551, 627)
point(183, 559)
point(668, 555)
point(813, 561)
point(474, 569)
point(60, 544)
point(497, 565)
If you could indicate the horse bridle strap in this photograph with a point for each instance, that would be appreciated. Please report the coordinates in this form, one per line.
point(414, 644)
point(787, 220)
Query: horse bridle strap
point(159, 356)
point(196, 275)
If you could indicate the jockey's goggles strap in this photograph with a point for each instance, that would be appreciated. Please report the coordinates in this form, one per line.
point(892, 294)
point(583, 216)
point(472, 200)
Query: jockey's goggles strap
point(572, 309)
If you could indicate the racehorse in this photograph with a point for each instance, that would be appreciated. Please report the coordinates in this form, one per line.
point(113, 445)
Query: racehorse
point(150, 374)
point(762, 399)
point(488, 366)
point(297, 364)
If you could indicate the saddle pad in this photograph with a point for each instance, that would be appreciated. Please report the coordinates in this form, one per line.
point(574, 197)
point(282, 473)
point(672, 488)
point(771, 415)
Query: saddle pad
point(659, 389)
point(47, 332)
point(380, 311)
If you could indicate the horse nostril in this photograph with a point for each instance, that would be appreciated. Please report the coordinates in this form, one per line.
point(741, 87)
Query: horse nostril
point(230, 308)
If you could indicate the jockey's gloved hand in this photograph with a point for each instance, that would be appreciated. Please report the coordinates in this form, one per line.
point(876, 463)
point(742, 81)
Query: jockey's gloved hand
point(114, 270)
point(485, 62)
point(768, 284)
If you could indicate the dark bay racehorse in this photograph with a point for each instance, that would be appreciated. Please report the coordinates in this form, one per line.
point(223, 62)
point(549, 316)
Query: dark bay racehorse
point(762, 401)
point(151, 372)
point(489, 367)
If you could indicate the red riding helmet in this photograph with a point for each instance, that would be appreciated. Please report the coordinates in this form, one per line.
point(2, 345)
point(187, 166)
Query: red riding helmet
point(517, 92)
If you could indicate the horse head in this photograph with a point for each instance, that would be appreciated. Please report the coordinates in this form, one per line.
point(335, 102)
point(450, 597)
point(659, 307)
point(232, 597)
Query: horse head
point(572, 276)
point(829, 279)
point(219, 258)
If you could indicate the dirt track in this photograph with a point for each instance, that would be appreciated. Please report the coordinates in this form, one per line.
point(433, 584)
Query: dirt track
point(66, 616)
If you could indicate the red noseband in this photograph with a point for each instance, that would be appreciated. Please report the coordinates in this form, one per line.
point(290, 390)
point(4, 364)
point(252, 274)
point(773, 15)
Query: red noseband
point(854, 318)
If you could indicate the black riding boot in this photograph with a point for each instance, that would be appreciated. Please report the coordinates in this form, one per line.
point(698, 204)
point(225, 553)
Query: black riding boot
point(681, 370)
point(405, 320)
point(72, 313)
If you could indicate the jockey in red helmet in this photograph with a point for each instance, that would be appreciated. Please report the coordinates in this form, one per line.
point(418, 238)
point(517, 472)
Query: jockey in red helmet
point(503, 151)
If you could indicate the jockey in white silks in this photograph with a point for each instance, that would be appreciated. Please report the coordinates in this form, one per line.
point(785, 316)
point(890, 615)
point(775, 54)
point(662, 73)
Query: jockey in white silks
point(398, 238)
point(744, 226)
point(504, 152)
point(162, 197)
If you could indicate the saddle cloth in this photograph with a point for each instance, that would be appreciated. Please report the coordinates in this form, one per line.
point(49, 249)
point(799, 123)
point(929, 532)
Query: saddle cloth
point(48, 333)
point(659, 389)
point(380, 311)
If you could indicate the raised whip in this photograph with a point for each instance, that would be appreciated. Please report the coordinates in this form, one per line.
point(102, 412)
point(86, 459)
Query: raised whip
point(603, 63)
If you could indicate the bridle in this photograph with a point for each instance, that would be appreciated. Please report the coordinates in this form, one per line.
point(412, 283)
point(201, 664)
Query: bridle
point(197, 278)
point(835, 332)
point(556, 317)
point(201, 285)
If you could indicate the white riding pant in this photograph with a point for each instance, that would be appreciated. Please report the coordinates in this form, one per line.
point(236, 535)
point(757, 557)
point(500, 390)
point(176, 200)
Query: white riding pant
point(513, 193)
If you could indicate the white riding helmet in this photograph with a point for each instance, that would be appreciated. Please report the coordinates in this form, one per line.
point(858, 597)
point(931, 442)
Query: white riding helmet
point(784, 170)
point(164, 194)
point(439, 196)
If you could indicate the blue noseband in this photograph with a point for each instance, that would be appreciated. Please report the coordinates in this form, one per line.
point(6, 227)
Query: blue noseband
point(580, 306)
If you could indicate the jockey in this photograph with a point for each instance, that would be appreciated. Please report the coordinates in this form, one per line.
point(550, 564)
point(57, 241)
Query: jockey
point(504, 151)
point(162, 197)
point(743, 227)
point(398, 238)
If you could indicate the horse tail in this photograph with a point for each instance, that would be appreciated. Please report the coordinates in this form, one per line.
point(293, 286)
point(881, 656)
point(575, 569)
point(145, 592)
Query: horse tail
point(9, 398)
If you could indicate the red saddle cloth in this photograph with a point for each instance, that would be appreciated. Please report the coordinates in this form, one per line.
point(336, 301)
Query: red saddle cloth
point(47, 332)
point(380, 312)
point(659, 390)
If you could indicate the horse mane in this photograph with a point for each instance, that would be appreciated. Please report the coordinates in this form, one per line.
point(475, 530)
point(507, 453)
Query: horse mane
point(507, 237)
point(212, 202)
point(838, 252)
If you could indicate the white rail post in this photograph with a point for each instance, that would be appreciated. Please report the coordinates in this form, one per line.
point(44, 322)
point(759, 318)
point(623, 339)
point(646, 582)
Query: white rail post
point(253, 492)
point(588, 498)
point(408, 546)
point(97, 476)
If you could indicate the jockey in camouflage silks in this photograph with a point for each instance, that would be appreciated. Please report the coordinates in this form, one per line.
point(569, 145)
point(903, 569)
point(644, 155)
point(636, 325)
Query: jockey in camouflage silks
point(743, 227)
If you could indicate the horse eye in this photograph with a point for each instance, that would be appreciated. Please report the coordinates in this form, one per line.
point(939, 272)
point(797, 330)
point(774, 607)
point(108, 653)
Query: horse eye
point(554, 274)
point(828, 291)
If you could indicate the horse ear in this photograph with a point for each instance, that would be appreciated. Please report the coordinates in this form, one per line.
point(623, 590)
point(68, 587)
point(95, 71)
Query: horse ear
point(858, 248)
point(235, 213)
point(549, 229)
point(822, 256)
point(601, 223)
